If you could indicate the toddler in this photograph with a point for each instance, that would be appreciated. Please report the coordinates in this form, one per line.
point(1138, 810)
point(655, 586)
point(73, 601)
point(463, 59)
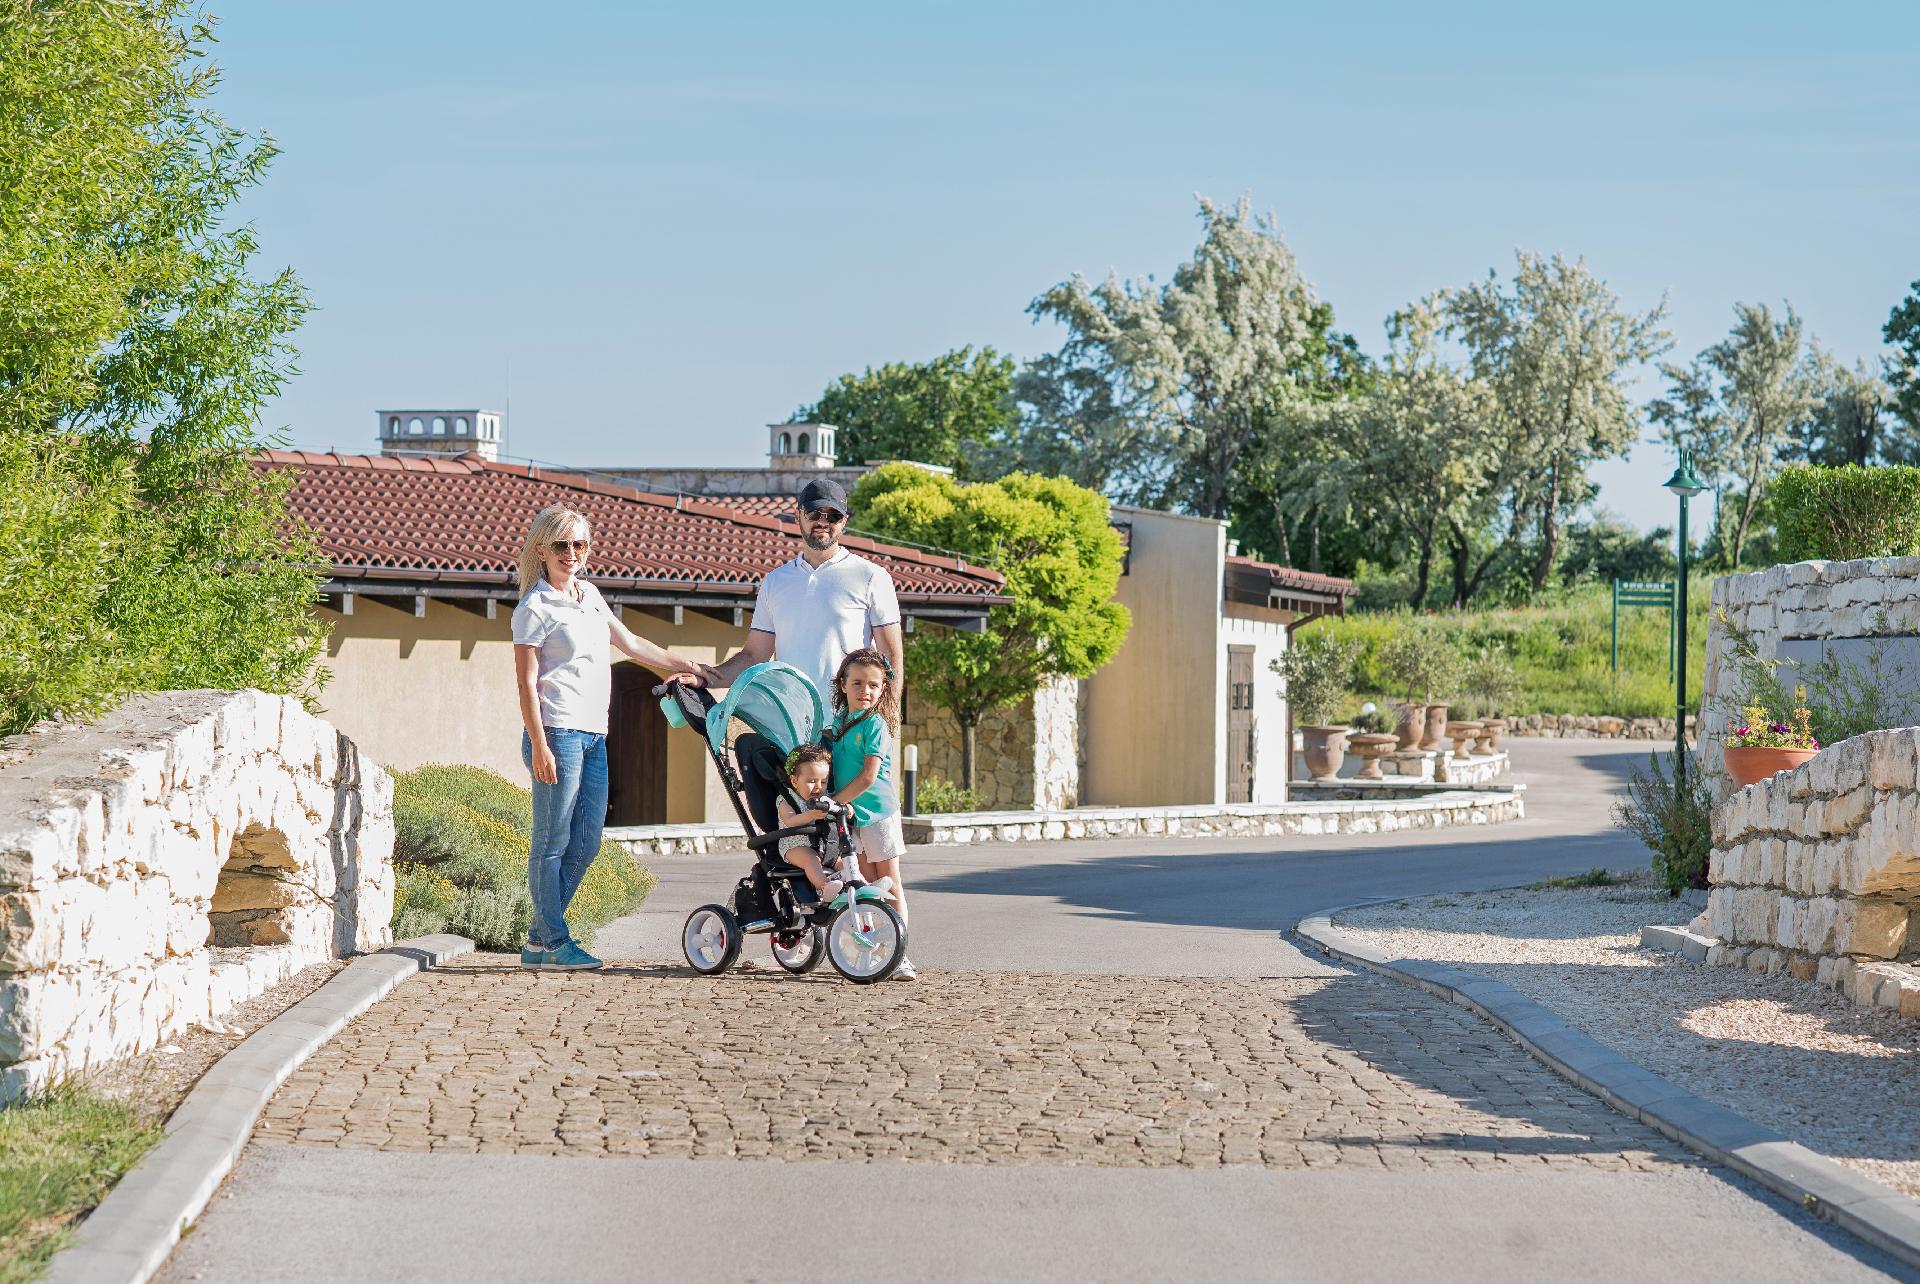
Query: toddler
point(804, 801)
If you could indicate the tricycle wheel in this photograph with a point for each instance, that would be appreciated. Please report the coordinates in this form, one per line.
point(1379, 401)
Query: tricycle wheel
point(711, 939)
point(798, 952)
point(866, 941)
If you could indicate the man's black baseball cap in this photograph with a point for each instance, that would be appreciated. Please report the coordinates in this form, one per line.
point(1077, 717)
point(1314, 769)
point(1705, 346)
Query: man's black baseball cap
point(824, 492)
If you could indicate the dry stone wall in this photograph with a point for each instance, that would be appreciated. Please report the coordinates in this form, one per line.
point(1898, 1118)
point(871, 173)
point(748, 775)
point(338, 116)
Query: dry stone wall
point(1817, 870)
point(182, 854)
point(1025, 756)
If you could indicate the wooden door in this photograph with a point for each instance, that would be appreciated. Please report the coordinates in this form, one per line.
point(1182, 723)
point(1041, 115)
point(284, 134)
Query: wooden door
point(1239, 724)
point(636, 750)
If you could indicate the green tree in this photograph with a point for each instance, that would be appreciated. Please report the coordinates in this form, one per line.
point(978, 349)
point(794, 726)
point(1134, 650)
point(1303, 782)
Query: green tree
point(1414, 448)
point(136, 350)
point(1738, 406)
point(1052, 541)
point(1903, 366)
point(1213, 358)
point(1556, 347)
point(1073, 422)
point(1849, 423)
point(931, 412)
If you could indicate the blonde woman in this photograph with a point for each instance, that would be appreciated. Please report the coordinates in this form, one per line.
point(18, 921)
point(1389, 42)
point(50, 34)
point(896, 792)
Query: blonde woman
point(563, 635)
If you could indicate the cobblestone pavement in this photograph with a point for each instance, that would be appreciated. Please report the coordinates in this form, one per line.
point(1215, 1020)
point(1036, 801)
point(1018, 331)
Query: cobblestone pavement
point(963, 1067)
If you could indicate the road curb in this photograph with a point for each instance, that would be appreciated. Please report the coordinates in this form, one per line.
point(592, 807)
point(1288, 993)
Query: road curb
point(1876, 1214)
point(130, 1235)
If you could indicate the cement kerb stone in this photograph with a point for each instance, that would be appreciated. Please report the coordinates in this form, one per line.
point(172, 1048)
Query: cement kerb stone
point(129, 1236)
point(1887, 1220)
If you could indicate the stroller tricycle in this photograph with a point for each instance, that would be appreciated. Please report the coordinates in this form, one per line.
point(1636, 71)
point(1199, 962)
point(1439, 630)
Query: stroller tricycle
point(770, 710)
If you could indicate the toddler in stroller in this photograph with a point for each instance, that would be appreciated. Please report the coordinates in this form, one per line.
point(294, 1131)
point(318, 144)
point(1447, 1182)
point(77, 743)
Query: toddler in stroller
point(771, 711)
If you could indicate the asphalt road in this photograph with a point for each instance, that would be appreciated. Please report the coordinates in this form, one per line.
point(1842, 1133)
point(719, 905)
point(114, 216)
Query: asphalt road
point(1186, 908)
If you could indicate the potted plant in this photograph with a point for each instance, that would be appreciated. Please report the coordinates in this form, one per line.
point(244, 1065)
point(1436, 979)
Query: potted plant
point(1419, 661)
point(1759, 746)
point(1317, 671)
point(1491, 682)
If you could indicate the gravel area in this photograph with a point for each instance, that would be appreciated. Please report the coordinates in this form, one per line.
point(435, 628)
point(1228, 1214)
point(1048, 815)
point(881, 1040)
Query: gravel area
point(1789, 1054)
point(158, 1081)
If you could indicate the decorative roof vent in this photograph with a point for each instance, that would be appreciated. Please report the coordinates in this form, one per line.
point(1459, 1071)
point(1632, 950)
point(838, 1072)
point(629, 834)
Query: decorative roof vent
point(441, 432)
point(800, 447)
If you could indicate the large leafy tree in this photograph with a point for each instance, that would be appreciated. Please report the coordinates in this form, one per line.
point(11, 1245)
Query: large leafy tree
point(1738, 406)
point(1850, 421)
point(1074, 422)
point(931, 412)
point(1052, 541)
point(1556, 349)
point(1415, 448)
point(1903, 366)
point(136, 349)
point(1213, 358)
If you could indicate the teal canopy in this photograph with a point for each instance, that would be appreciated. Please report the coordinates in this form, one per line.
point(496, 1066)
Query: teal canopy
point(776, 700)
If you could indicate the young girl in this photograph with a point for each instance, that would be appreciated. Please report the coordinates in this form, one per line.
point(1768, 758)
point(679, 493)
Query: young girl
point(865, 713)
point(808, 769)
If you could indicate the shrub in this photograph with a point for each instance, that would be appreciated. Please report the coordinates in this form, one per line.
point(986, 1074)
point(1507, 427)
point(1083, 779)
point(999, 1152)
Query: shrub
point(1318, 671)
point(1420, 662)
point(460, 840)
point(1843, 698)
point(1838, 514)
point(1672, 813)
point(938, 797)
point(1490, 682)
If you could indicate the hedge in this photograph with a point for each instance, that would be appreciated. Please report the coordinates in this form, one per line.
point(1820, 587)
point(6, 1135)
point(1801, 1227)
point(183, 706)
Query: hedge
point(460, 855)
point(1838, 514)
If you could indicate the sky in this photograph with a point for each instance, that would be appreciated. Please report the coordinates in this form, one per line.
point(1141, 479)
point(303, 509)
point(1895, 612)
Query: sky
point(649, 230)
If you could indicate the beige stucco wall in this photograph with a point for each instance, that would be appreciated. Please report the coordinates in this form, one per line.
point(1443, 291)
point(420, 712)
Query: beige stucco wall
point(1155, 715)
point(1265, 630)
point(439, 688)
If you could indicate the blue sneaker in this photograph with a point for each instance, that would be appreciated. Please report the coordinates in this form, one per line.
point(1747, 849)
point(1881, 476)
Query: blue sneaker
point(571, 958)
point(534, 960)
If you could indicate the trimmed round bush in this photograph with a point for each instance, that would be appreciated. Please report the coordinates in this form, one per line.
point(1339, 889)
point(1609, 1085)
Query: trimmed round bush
point(1839, 514)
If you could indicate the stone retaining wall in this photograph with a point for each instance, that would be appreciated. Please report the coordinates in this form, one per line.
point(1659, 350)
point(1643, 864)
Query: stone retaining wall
point(1025, 756)
point(1591, 726)
point(182, 854)
point(1817, 871)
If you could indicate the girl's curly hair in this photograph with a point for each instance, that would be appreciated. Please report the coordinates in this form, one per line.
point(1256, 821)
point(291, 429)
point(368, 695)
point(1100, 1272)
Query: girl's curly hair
point(889, 706)
point(805, 754)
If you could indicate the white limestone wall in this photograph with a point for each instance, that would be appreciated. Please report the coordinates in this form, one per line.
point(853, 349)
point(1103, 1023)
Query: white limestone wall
point(174, 858)
point(1800, 600)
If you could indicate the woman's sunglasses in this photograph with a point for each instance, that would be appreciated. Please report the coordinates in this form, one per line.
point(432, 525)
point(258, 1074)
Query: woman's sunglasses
point(562, 545)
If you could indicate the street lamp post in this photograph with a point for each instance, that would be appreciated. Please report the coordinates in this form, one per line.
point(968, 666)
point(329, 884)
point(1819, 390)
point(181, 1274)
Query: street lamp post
point(1686, 485)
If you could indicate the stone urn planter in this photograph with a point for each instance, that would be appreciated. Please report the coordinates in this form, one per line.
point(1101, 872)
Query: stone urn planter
point(1462, 734)
point(1491, 729)
point(1751, 763)
point(1411, 725)
point(1370, 748)
point(1324, 748)
point(1436, 726)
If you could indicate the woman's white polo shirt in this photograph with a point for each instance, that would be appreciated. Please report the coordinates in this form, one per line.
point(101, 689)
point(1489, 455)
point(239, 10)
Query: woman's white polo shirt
point(575, 685)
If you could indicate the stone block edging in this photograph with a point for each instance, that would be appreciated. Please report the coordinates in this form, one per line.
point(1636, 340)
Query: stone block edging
point(130, 1235)
point(1876, 1214)
point(1867, 983)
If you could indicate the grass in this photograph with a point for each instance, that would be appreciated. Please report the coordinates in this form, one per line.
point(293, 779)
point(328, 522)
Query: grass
point(1561, 650)
point(61, 1151)
point(1595, 877)
point(460, 862)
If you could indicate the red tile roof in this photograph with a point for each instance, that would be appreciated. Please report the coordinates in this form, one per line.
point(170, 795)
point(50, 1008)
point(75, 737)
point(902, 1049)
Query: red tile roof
point(1270, 577)
point(462, 520)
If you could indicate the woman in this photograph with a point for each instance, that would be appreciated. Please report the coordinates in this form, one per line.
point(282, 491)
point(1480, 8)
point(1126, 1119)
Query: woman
point(562, 634)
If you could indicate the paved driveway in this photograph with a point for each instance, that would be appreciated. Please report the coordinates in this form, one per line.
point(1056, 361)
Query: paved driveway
point(1113, 1067)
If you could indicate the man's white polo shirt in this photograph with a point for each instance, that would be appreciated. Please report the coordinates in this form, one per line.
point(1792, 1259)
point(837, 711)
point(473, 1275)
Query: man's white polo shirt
point(819, 614)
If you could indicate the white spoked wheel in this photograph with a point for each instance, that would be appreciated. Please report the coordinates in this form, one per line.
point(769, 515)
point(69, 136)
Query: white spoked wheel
point(866, 941)
point(711, 939)
point(798, 952)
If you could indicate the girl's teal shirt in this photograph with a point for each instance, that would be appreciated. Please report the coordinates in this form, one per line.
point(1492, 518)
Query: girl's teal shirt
point(856, 737)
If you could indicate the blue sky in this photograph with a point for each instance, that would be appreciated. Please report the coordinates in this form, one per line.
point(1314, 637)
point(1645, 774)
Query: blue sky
point(677, 223)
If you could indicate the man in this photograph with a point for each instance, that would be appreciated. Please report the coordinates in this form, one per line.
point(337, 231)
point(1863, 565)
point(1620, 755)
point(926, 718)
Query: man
point(815, 610)
point(823, 604)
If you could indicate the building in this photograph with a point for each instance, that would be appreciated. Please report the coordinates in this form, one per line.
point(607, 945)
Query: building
point(446, 433)
point(421, 589)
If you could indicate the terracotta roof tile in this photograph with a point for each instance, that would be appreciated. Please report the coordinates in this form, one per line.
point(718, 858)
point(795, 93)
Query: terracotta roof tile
point(463, 519)
point(1287, 576)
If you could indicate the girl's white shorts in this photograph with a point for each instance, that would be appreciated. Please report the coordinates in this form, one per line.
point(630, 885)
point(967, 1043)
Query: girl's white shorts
point(881, 840)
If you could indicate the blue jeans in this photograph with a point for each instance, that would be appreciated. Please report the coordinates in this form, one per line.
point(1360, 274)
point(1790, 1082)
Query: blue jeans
point(568, 816)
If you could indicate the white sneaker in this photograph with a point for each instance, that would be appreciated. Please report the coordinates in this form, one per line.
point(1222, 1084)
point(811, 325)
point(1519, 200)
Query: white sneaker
point(906, 971)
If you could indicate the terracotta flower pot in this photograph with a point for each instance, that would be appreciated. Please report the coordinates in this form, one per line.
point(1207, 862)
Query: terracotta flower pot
point(1371, 748)
point(1750, 763)
point(1490, 733)
point(1462, 734)
point(1411, 725)
point(1436, 726)
point(1325, 748)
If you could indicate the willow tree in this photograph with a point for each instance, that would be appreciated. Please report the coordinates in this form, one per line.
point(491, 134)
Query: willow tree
point(139, 548)
point(1050, 539)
